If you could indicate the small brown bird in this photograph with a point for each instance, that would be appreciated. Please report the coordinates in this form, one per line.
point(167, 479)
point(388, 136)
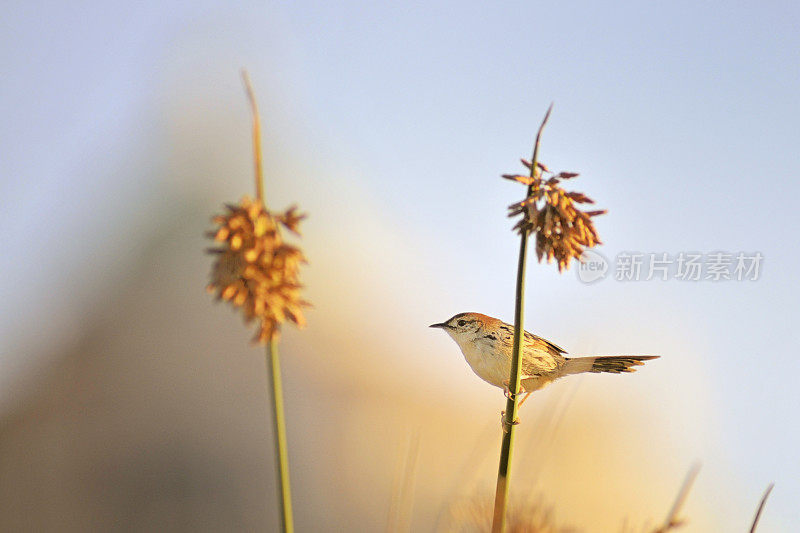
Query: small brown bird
point(487, 344)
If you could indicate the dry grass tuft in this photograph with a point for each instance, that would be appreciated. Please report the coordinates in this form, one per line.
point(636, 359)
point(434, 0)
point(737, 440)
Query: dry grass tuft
point(562, 229)
point(255, 270)
point(475, 515)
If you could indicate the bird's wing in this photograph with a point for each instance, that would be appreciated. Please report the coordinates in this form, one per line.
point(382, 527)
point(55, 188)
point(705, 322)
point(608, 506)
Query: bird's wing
point(540, 355)
point(534, 341)
point(538, 342)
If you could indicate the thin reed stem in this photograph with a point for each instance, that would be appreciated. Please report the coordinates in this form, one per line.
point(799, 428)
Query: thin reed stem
point(257, 158)
point(279, 430)
point(761, 507)
point(510, 419)
point(673, 521)
point(274, 383)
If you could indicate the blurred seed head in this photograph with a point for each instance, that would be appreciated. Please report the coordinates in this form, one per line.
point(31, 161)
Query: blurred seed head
point(474, 514)
point(562, 229)
point(254, 269)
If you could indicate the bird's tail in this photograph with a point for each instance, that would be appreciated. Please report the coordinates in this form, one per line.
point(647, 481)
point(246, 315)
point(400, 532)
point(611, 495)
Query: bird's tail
point(607, 363)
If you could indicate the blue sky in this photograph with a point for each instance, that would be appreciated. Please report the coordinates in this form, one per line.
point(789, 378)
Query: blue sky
point(682, 119)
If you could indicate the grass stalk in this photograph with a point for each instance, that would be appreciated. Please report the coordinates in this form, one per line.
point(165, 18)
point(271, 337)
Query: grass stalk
point(257, 157)
point(761, 507)
point(275, 386)
point(274, 382)
point(510, 417)
point(673, 521)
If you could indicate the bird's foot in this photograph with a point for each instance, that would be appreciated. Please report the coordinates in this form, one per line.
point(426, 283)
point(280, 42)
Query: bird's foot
point(507, 390)
point(523, 400)
point(510, 395)
point(504, 423)
point(507, 393)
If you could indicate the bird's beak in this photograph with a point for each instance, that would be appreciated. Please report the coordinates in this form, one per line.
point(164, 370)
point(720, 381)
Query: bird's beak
point(440, 325)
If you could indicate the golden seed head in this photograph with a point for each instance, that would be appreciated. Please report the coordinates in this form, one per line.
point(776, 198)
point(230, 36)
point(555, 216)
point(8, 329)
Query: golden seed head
point(474, 513)
point(255, 270)
point(562, 230)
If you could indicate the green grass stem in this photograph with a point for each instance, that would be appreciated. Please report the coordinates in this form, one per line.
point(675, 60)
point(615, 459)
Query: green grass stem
point(510, 417)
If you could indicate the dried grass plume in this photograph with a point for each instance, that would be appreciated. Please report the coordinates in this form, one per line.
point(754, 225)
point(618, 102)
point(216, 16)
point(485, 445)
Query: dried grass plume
point(255, 270)
point(562, 229)
point(474, 515)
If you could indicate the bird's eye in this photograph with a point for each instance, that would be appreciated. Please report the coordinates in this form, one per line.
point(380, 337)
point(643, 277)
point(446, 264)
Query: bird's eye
point(462, 323)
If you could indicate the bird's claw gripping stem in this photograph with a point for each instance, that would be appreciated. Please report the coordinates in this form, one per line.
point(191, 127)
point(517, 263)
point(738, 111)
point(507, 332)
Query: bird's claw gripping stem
point(510, 395)
point(507, 390)
point(506, 425)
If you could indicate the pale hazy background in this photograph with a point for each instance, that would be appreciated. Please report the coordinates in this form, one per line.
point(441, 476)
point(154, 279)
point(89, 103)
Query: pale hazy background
point(129, 402)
